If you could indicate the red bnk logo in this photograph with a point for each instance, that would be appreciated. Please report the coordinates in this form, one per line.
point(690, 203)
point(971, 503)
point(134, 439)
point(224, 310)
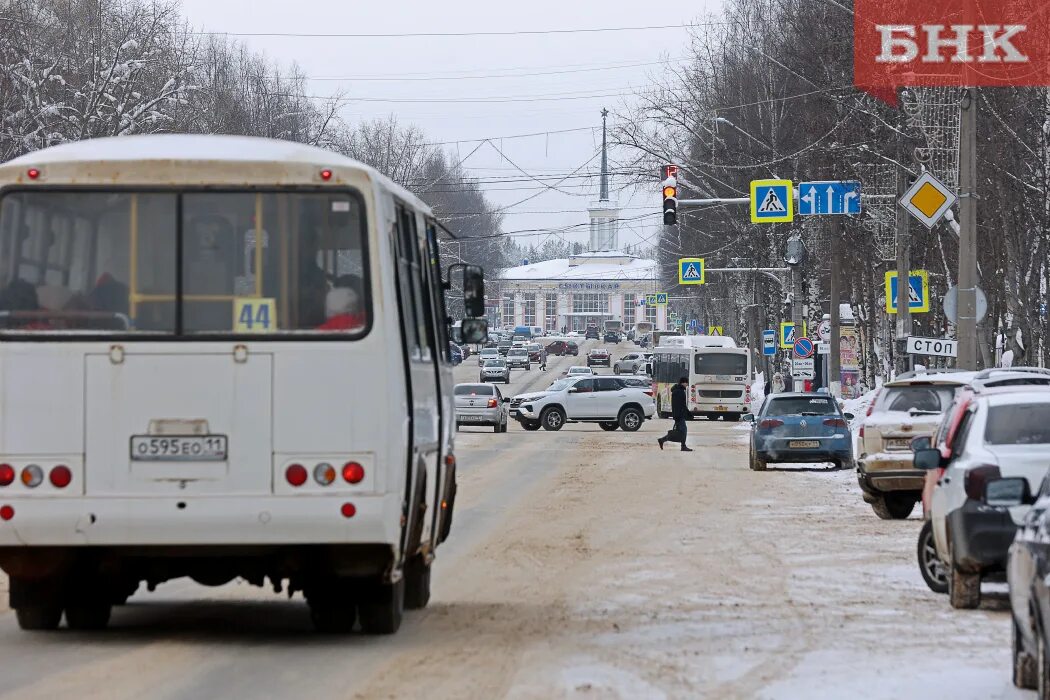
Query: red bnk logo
point(966, 43)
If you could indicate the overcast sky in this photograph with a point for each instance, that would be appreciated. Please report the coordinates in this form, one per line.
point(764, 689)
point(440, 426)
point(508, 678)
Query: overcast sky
point(445, 69)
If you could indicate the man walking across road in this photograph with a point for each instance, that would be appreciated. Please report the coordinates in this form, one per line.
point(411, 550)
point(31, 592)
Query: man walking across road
point(679, 412)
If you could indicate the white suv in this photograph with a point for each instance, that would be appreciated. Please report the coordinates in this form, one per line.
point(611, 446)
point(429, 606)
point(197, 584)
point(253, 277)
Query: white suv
point(607, 401)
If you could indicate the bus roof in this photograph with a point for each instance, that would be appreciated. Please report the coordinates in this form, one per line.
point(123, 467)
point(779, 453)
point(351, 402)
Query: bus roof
point(697, 341)
point(155, 157)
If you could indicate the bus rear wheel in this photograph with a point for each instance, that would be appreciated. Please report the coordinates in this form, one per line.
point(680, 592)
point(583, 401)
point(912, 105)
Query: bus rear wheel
point(39, 618)
point(382, 607)
point(88, 615)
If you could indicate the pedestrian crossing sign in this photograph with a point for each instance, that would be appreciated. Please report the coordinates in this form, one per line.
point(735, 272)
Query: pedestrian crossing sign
point(661, 298)
point(772, 201)
point(918, 292)
point(691, 271)
point(650, 300)
point(787, 333)
point(714, 330)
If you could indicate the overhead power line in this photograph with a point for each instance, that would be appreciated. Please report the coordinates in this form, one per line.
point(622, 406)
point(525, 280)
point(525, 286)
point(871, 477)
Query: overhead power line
point(408, 35)
point(430, 78)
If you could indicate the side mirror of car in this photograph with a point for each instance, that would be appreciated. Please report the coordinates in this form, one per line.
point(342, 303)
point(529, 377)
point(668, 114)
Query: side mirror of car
point(848, 416)
point(748, 417)
point(506, 399)
point(474, 330)
point(927, 459)
point(922, 442)
point(1009, 492)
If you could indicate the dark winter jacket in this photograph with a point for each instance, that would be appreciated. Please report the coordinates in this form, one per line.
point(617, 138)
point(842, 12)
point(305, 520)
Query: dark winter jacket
point(679, 407)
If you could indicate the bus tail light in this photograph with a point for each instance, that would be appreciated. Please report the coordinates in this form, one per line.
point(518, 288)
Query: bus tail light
point(835, 423)
point(6, 512)
point(295, 475)
point(32, 476)
point(33, 173)
point(60, 476)
point(771, 423)
point(353, 473)
point(7, 474)
point(348, 510)
point(324, 473)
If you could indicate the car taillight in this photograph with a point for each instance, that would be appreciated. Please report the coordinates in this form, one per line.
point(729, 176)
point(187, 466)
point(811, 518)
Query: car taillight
point(7, 474)
point(771, 423)
point(835, 423)
point(353, 472)
point(648, 392)
point(977, 478)
point(295, 475)
point(60, 476)
point(492, 403)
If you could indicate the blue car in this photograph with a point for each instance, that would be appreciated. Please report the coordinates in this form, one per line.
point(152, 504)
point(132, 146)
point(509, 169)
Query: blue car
point(455, 353)
point(797, 427)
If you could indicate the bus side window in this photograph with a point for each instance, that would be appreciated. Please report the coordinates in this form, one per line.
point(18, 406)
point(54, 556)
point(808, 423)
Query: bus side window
point(412, 279)
point(437, 292)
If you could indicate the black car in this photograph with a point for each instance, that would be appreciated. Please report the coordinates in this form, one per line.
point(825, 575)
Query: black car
point(563, 347)
point(592, 333)
point(1028, 573)
point(504, 347)
point(612, 337)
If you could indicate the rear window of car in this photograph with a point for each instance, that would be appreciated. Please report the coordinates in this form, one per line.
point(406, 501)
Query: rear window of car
point(474, 390)
point(933, 399)
point(796, 405)
point(1018, 424)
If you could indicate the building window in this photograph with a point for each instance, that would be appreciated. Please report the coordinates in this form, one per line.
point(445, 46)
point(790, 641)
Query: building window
point(650, 314)
point(590, 303)
point(529, 303)
point(551, 311)
point(629, 303)
point(508, 310)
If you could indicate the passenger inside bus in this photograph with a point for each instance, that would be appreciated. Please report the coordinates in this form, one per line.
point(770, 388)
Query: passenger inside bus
point(343, 310)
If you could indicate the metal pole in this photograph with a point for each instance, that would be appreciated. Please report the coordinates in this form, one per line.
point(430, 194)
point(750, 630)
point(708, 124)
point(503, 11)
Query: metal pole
point(834, 360)
point(796, 314)
point(967, 325)
point(903, 325)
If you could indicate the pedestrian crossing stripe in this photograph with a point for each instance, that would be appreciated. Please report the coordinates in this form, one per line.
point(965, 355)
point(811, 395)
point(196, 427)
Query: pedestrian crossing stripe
point(772, 201)
point(691, 271)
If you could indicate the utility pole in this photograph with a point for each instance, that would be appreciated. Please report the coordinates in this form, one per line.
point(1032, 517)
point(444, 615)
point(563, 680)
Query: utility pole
point(903, 329)
point(834, 359)
point(966, 328)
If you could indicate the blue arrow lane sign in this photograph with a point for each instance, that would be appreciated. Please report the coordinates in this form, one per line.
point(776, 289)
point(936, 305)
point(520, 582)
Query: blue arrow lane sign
point(803, 348)
point(829, 197)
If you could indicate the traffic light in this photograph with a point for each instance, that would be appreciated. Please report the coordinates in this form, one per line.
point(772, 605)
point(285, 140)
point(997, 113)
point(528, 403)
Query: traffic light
point(670, 203)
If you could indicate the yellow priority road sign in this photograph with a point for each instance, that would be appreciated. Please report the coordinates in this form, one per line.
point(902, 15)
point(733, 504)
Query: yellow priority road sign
point(928, 199)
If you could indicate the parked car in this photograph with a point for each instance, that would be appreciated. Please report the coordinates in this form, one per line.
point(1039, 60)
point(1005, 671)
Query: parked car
point(455, 354)
point(606, 401)
point(563, 347)
point(537, 353)
point(519, 357)
point(1028, 573)
point(993, 433)
point(628, 364)
point(800, 427)
point(577, 371)
point(495, 370)
point(488, 354)
point(599, 356)
point(465, 349)
point(906, 408)
point(481, 404)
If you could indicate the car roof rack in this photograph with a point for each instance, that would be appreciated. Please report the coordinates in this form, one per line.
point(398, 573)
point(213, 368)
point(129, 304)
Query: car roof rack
point(993, 371)
point(928, 371)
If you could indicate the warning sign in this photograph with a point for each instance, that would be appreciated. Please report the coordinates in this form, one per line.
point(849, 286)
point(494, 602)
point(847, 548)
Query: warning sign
point(691, 271)
point(772, 201)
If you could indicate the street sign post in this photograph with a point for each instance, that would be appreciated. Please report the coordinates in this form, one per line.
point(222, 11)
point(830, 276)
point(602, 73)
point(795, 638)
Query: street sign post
point(939, 347)
point(832, 197)
point(691, 271)
point(769, 342)
point(803, 348)
point(928, 199)
point(772, 201)
point(918, 292)
point(803, 369)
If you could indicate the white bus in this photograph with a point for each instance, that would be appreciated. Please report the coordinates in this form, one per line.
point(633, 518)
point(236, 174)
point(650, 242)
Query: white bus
point(719, 375)
point(221, 357)
point(612, 325)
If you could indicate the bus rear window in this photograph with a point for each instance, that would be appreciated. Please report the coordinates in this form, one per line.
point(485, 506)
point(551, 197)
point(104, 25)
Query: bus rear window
point(252, 263)
point(721, 363)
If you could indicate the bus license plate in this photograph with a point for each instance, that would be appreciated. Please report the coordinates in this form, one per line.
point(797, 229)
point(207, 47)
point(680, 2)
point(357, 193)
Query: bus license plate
point(196, 448)
point(803, 444)
point(720, 408)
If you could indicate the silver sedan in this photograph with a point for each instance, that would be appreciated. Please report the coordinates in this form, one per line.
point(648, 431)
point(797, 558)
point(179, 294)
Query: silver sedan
point(495, 371)
point(481, 404)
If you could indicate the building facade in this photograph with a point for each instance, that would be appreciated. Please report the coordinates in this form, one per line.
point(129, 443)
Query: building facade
point(569, 293)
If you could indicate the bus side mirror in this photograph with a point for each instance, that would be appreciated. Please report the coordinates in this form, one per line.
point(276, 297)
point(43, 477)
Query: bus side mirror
point(474, 331)
point(473, 291)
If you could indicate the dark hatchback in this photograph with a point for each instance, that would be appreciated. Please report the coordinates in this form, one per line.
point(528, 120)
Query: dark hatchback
point(563, 347)
point(800, 427)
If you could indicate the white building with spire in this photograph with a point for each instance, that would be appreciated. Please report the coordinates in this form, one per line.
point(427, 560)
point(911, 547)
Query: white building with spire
point(604, 283)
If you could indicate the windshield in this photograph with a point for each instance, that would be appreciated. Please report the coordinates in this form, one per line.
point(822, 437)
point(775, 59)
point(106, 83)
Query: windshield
point(473, 390)
point(801, 405)
point(264, 263)
point(721, 363)
point(495, 363)
point(1019, 424)
point(933, 399)
point(579, 370)
point(560, 385)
